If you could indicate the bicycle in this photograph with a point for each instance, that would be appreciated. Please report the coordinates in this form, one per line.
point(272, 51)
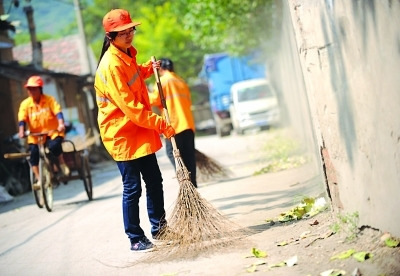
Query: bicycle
point(45, 173)
point(76, 161)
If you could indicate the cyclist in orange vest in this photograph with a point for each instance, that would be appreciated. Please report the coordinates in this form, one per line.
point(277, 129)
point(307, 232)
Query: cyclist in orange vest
point(41, 113)
point(129, 129)
point(179, 104)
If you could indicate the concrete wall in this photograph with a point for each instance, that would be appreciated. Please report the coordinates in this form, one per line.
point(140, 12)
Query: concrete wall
point(343, 59)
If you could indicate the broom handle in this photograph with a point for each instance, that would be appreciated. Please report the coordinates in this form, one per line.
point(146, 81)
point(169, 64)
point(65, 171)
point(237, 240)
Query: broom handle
point(163, 102)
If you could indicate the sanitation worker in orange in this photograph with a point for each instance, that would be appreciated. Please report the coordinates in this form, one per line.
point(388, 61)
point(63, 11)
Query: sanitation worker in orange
point(41, 113)
point(179, 103)
point(129, 129)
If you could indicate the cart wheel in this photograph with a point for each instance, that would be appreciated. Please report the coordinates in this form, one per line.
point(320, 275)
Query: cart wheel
point(47, 187)
point(86, 175)
point(36, 193)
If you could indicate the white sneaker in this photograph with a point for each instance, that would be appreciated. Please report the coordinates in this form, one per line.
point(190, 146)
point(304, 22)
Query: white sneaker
point(65, 169)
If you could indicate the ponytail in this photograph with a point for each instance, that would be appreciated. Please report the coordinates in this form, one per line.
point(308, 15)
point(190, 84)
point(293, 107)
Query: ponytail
point(108, 38)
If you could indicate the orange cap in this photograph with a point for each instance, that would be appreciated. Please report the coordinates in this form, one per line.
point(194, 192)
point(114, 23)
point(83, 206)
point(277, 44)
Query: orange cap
point(34, 81)
point(118, 20)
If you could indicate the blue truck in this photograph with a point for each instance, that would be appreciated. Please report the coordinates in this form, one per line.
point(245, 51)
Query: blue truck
point(221, 70)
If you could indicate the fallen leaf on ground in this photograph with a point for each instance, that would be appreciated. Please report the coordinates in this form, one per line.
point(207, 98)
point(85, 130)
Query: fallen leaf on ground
point(289, 262)
point(283, 243)
point(253, 267)
point(258, 253)
point(344, 254)
point(390, 242)
point(281, 264)
point(362, 256)
point(333, 272)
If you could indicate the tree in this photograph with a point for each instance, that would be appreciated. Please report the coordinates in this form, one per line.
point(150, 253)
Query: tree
point(235, 26)
point(161, 34)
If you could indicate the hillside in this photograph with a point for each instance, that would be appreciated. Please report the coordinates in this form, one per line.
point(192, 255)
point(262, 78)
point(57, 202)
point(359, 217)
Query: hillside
point(54, 18)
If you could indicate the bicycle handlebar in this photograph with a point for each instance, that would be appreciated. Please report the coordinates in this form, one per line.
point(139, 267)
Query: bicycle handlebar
point(28, 133)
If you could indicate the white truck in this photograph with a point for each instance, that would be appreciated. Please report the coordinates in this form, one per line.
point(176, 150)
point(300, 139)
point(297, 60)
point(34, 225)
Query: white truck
point(254, 104)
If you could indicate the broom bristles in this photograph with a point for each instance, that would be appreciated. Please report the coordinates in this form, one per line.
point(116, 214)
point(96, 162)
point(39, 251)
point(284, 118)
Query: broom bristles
point(194, 225)
point(208, 168)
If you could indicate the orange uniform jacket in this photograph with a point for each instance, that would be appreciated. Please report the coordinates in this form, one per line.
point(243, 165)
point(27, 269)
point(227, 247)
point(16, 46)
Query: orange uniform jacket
point(40, 117)
point(128, 127)
point(178, 100)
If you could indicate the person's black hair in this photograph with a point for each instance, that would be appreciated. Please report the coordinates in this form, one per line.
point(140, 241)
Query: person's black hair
point(106, 43)
point(167, 64)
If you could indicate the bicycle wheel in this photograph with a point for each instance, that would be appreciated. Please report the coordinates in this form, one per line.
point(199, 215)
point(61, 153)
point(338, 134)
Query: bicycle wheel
point(37, 193)
point(87, 176)
point(47, 187)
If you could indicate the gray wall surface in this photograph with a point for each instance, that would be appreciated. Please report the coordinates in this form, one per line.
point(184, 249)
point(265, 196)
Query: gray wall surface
point(338, 72)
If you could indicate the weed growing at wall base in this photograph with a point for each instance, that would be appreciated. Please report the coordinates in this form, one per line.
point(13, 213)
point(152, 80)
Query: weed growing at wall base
point(347, 224)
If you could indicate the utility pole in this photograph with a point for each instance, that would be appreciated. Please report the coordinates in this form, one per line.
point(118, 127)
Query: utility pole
point(82, 37)
point(37, 56)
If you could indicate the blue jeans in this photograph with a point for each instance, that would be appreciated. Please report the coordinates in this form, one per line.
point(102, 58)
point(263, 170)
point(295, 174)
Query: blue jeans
point(131, 171)
point(54, 146)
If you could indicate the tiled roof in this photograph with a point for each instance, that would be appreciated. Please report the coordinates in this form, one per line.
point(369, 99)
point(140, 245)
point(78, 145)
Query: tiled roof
point(63, 55)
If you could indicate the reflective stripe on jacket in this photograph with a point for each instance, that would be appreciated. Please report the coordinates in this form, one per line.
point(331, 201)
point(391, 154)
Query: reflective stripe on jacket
point(128, 127)
point(178, 100)
point(40, 117)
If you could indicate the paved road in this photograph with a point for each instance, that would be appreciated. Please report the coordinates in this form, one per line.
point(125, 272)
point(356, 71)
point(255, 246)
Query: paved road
point(87, 238)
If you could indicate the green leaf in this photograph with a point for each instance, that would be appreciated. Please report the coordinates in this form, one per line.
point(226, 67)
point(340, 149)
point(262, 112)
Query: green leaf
point(258, 253)
point(285, 217)
point(392, 242)
point(362, 256)
point(299, 212)
point(282, 243)
point(344, 255)
point(281, 264)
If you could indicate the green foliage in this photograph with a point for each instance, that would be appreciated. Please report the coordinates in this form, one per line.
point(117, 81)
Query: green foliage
point(161, 33)
point(183, 30)
point(348, 224)
point(236, 26)
point(308, 207)
point(52, 20)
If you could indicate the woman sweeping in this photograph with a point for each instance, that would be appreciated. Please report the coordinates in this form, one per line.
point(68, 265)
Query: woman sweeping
point(128, 127)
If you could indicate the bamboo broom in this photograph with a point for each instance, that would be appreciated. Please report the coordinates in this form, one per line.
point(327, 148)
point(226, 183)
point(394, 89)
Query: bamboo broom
point(194, 225)
point(208, 168)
